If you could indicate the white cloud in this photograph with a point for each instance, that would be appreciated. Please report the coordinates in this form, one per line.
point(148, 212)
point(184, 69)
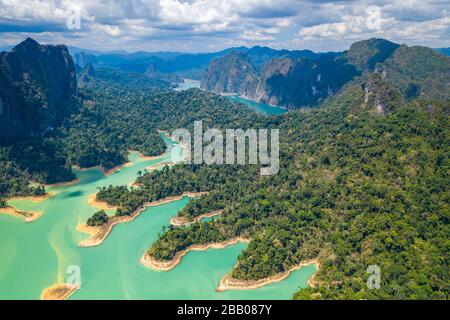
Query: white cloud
point(205, 24)
point(254, 35)
point(350, 26)
point(284, 23)
point(393, 24)
point(105, 29)
point(197, 12)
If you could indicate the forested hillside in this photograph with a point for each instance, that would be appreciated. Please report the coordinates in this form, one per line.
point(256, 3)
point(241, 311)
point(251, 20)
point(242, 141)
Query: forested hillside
point(363, 181)
point(355, 189)
point(117, 112)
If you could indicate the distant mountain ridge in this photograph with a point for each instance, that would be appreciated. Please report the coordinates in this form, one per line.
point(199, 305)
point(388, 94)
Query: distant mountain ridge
point(129, 80)
point(181, 65)
point(38, 87)
point(172, 67)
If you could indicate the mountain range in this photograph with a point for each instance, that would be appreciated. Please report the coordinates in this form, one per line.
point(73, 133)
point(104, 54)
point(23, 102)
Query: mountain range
point(183, 65)
point(302, 81)
point(38, 84)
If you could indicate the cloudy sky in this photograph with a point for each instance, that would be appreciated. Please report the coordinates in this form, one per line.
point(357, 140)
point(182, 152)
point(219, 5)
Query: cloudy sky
point(210, 25)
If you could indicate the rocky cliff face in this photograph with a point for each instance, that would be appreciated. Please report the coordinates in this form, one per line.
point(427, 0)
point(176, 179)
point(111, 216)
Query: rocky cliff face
point(153, 73)
point(38, 87)
point(233, 73)
point(380, 96)
point(302, 82)
point(259, 56)
point(82, 59)
point(274, 70)
point(289, 82)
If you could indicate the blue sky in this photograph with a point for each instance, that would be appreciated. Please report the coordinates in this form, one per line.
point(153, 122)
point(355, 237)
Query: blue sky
point(211, 25)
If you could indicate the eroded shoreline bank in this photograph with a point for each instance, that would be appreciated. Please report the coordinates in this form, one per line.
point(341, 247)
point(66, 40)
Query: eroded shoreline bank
point(227, 282)
point(93, 202)
point(105, 171)
point(27, 216)
point(32, 198)
point(63, 184)
point(230, 283)
point(159, 265)
point(178, 221)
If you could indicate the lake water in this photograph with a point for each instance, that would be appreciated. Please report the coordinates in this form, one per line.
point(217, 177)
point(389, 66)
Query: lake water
point(36, 255)
point(187, 84)
point(258, 107)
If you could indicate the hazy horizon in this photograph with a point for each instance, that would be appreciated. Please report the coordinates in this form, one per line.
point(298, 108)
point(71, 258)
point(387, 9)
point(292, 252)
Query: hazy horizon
point(74, 49)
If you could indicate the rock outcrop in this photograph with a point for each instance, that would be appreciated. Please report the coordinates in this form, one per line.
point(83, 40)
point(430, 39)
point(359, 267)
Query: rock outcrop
point(233, 73)
point(38, 87)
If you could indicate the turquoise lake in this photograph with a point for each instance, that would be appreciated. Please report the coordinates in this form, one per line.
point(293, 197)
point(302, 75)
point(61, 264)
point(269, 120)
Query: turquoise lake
point(36, 255)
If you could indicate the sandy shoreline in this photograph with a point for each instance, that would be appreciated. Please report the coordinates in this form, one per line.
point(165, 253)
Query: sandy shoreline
point(135, 184)
point(99, 234)
point(230, 283)
point(312, 281)
point(58, 292)
point(159, 265)
point(93, 202)
point(62, 184)
point(243, 96)
point(106, 172)
point(182, 221)
point(160, 165)
point(32, 198)
point(27, 216)
point(146, 158)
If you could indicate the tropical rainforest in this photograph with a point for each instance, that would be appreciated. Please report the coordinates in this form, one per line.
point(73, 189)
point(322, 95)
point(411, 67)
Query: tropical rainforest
point(363, 181)
point(363, 177)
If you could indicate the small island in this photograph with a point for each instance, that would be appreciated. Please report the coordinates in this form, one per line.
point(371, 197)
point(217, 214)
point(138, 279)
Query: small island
point(58, 292)
point(27, 216)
